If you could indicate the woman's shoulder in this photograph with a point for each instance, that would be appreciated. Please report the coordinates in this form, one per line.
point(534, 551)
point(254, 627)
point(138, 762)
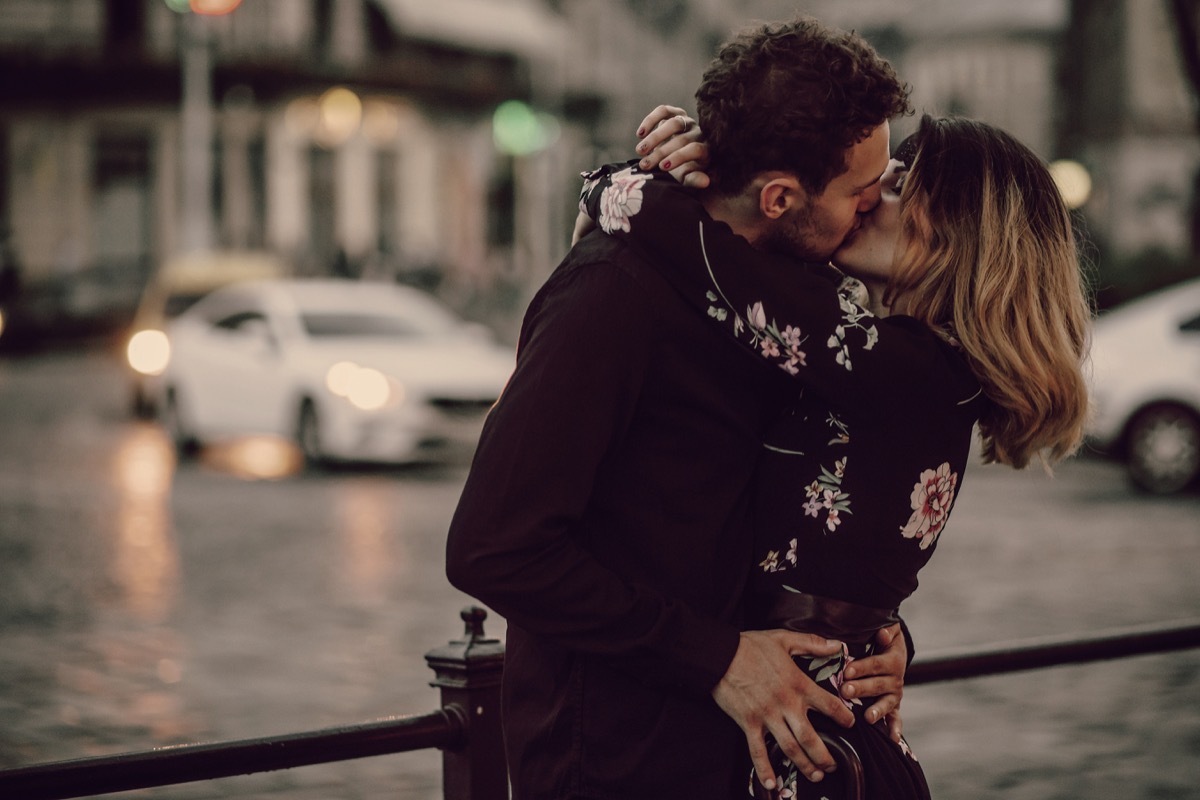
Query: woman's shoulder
point(940, 356)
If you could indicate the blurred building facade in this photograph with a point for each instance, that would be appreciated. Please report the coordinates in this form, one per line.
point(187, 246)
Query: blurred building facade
point(1129, 113)
point(1100, 82)
point(346, 135)
point(378, 136)
point(355, 136)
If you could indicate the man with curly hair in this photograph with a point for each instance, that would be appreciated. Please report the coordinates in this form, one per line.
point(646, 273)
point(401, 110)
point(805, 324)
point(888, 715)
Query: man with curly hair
point(795, 118)
point(592, 518)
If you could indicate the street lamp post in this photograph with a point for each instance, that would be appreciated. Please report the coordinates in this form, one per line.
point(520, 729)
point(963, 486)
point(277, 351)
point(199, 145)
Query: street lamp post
point(196, 123)
point(196, 119)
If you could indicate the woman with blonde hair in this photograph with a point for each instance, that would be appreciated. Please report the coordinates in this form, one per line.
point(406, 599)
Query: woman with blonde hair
point(974, 317)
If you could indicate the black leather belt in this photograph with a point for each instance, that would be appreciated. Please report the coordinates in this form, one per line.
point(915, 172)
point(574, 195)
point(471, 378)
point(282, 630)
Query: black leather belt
point(825, 616)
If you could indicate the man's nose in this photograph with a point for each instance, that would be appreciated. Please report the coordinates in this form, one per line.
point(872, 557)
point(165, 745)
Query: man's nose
point(870, 198)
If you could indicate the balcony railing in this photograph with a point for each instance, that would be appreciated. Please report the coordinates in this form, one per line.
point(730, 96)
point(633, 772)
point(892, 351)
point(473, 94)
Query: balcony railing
point(467, 726)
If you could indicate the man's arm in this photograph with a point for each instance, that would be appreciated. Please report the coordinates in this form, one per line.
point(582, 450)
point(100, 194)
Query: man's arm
point(515, 540)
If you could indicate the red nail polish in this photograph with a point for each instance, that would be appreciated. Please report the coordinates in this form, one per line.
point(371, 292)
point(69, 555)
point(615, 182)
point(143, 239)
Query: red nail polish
point(666, 165)
point(641, 132)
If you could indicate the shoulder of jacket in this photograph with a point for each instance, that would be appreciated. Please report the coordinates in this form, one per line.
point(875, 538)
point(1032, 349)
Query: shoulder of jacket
point(605, 263)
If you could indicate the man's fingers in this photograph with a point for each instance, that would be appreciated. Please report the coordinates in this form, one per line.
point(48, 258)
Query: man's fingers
point(835, 709)
point(874, 686)
point(880, 709)
point(802, 745)
point(895, 726)
point(889, 664)
point(760, 760)
point(808, 644)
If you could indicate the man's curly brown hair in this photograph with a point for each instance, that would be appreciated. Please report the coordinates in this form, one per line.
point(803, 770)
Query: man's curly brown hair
point(793, 96)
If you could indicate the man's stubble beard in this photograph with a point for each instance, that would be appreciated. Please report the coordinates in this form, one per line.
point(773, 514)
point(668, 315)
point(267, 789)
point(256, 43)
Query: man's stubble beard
point(792, 236)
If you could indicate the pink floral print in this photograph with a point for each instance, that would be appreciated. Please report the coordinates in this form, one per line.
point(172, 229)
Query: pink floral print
point(932, 497)
point(621, 200)
point(823, 496)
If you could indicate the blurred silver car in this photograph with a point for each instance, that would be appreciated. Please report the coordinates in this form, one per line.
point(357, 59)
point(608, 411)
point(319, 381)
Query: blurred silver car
point(1146, 387)
point(351, 371)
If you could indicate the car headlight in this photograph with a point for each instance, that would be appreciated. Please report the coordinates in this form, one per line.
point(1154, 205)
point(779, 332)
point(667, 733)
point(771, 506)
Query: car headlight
point(149, 352)
point(363, 387)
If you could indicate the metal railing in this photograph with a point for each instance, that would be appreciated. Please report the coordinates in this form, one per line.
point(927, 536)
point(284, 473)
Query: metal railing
point(466, 729)
point(1026, 654)
point(467, 726)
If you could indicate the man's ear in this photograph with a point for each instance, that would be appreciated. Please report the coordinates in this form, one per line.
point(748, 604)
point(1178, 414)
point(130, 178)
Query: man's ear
point(779, 195)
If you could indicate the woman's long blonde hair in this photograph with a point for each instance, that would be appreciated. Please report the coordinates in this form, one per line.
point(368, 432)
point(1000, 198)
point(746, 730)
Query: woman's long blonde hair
point(991, 259)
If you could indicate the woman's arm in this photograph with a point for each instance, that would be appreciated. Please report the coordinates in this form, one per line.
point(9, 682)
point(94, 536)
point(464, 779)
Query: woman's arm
point(790, 314)
point(583, 226)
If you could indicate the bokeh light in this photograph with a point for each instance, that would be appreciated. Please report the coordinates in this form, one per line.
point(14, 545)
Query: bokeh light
point(341, 111)
point(149, 352)
point(519, 130)
point(380, 122)
point(255, 457)
point(1073, 180)
point(340, 377)
point(301, 117)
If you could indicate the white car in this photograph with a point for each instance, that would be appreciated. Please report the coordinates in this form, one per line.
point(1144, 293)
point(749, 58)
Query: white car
point(177, 284)
point(1146, 387)
point(349, 370)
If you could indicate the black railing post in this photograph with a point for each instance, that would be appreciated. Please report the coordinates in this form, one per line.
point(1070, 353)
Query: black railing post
point(468, 673)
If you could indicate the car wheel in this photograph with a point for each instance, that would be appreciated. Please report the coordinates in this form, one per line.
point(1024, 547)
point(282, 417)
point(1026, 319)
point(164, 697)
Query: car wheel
point(308, 434)
point(1163, 451)
point(177, 428)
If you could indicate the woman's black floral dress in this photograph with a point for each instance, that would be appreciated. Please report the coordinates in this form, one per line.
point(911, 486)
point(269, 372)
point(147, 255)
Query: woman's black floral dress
point(856, 483)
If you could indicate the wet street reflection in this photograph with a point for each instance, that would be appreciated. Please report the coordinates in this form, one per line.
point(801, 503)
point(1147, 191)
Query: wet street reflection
point(370, 531)
point(146, 561)
point(148, 599)
point(255, 457)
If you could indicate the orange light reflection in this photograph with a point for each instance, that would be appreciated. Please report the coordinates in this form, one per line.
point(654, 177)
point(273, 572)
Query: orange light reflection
point(255, 457)
point(366, 522)
point(146, 561)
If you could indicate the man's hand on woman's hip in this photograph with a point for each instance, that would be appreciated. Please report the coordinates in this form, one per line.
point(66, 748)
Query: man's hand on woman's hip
point(765, 691)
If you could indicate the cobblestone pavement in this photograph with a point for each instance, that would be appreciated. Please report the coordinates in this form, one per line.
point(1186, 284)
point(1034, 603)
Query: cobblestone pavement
point(146, 603)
